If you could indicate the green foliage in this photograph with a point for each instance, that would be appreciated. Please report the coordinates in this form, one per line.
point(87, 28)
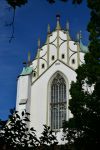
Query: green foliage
point(84, 128)
point(15, 3)
point(48, 139)
point(73, 1)
point(15, 134)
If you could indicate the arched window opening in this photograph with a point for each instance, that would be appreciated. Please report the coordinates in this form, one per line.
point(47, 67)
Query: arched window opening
point(58, 102)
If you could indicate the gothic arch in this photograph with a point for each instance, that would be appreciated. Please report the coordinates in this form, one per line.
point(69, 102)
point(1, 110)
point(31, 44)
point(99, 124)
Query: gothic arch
point(57, 101)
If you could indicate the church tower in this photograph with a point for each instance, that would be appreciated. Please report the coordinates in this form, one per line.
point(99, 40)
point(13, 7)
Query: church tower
point(43, 86)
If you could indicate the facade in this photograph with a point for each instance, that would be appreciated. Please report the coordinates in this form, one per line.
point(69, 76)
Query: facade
point(43, 86)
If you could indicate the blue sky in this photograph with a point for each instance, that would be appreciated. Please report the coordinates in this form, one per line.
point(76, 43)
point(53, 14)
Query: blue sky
point(31, 23)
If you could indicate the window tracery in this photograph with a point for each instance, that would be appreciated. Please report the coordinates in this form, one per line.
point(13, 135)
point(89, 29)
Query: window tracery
point(58, 102)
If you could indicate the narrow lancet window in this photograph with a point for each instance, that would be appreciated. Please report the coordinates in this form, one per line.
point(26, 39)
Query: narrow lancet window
point(58, 102)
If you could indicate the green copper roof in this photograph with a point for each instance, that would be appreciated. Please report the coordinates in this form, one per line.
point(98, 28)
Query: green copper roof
point(84, 48)
point(26, 71)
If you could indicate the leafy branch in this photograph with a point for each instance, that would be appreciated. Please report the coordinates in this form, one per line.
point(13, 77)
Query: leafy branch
point(14, 4)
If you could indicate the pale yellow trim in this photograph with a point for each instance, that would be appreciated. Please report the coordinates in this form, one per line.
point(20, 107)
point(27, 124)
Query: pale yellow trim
point(67, 48)
point(29, 56)
point(48, 29)
point(58, 27)
point(51, 66)
point(38, 62)
point(78, 54)
point(48, 51)
point(47, 107)
point(57, 44)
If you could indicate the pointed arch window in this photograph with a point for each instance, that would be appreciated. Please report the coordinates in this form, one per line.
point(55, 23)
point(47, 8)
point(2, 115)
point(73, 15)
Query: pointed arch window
point(58, 102)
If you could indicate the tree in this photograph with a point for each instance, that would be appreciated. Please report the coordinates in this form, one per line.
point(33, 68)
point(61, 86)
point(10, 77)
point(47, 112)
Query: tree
point(83, 130)
point(13, 5)
point(48, 139)
point(16, 3)
point(73, 1)
point(14, 133)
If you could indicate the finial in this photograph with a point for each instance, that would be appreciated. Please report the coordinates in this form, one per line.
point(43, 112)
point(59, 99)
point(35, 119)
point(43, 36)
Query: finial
point(48, 28)
point(78, 36)
point(67, 25)
point(38, 42)
point(58, 22)
point(29, 56)
point(58, 17)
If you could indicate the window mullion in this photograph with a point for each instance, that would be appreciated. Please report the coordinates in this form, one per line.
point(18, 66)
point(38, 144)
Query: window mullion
point(61, 116)
point(61, 92)
point(58, 95)
point(53, 93)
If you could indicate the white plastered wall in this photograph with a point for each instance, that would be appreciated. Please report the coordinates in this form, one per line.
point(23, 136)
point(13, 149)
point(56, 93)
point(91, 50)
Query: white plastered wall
point(23, 92)
point(36, 89)
point(40, 99)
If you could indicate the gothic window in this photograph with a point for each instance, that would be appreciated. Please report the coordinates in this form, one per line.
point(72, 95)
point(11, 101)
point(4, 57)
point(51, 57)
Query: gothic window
point(58, 102)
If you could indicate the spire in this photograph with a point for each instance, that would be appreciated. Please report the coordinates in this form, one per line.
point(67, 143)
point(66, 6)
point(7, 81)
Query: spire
point(67, 25)
point(84, 48)
point(58, 27)
point(38, 42)
point(48, 28)
point(67, 28)
point(80, 34)
point(78, 37)
point(28, 62)
point(29, 58)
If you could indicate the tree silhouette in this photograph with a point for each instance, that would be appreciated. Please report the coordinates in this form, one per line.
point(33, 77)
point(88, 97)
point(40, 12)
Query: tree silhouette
point(14, 4)
point(73, 1)
point(83, 130)
point(16, 135)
